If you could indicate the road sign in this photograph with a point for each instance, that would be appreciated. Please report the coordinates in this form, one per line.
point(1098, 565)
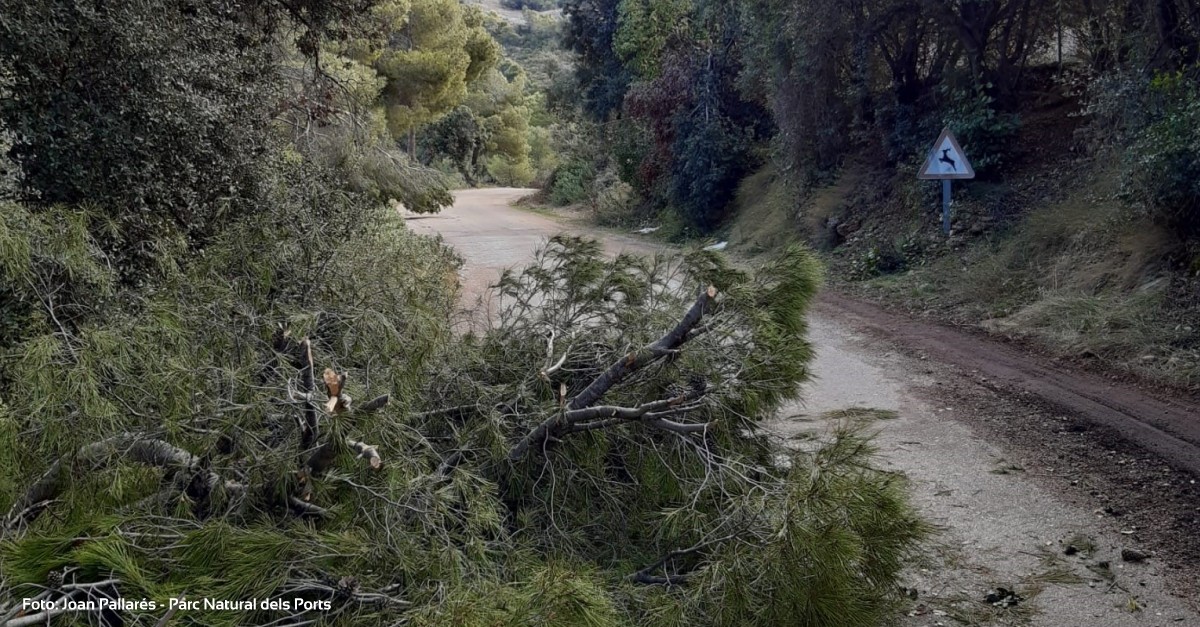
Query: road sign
point(947, 160)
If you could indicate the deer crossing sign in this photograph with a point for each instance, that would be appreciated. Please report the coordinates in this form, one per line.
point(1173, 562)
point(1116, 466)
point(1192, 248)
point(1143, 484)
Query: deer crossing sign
point(947, 160)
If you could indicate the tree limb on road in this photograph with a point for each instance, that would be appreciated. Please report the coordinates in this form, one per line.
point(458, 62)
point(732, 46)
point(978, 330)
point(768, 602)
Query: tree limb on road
point(580, 405)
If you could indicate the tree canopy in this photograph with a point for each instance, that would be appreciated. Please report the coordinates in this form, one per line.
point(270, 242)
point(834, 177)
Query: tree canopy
point(870, 81)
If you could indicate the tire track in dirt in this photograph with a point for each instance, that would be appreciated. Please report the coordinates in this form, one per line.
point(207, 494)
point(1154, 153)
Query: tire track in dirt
point(1169, 428)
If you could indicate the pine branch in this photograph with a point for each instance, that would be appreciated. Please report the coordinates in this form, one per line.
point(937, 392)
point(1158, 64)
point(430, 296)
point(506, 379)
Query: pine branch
point(651, 414)
point(448, 465)
point(366, 451)
point(43, 617)
point(633, 362)
point(559, 424)
point(308, 434)
point(374, 404)
point(644, 576)
point(304, 508)
point(98, 455)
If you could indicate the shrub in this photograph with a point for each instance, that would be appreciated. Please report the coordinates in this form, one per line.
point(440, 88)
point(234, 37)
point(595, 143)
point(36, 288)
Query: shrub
point(614, 201)
point(981, 129)
point(1162, 170)
point(572, 182)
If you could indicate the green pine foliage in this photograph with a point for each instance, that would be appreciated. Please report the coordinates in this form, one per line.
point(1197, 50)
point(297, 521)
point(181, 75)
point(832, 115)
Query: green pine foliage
point(551, 539)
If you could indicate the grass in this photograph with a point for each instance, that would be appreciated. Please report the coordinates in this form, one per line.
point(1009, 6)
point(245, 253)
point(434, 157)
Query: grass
point(765, 212)
point(1080, 277)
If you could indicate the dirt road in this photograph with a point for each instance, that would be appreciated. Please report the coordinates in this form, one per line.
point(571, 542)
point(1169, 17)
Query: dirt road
point(1029, 471)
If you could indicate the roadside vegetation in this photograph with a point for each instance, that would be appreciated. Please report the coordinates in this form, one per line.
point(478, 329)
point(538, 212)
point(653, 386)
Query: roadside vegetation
point(229, 371)
point(768, 122)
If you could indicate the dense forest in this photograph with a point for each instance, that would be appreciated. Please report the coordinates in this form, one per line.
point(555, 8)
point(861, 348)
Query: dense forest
point(229, 373)
point(765, 122)
point(723, 88)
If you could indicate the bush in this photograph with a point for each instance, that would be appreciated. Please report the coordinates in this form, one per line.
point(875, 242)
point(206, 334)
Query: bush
point(614, 201)
point(983, 131)
point(572, 182)
point(1162, 170)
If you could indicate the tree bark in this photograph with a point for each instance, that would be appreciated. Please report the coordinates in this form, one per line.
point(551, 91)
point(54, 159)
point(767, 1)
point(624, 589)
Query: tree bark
point(95, 456)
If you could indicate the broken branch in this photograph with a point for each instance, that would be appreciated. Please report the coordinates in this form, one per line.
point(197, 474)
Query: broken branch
point(374, 405)
point(304, 508)
point(324, 456)
point(308, 434)
point(558, 424)
point(97, 455)
point(633, 362)
point(366, 451)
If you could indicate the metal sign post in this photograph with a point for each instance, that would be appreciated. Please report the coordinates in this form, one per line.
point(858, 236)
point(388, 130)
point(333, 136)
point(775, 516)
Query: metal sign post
point(946, 162)
point(946, 206)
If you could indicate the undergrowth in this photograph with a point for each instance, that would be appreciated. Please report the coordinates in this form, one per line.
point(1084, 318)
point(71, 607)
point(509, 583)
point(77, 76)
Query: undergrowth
point(1083, 277)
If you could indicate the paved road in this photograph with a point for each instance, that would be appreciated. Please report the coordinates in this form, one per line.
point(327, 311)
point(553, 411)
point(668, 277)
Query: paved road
point(1008, 509)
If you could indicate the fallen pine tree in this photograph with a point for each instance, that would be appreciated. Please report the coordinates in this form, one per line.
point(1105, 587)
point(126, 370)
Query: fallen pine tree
point(593, 454)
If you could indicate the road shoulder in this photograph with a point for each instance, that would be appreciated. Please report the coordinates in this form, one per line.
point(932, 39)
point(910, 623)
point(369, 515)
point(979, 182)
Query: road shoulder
point(989, 467)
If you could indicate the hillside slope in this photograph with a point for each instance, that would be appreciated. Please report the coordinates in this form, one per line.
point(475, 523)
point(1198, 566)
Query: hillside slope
point(1051, 253)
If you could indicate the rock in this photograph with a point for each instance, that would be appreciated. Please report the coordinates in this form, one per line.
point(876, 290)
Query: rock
point(846, 228)
point(1134, 555)
point(1003, 597)
point(1070, 550)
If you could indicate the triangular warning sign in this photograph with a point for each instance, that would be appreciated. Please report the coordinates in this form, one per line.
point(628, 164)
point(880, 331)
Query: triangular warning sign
point(947, 160)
